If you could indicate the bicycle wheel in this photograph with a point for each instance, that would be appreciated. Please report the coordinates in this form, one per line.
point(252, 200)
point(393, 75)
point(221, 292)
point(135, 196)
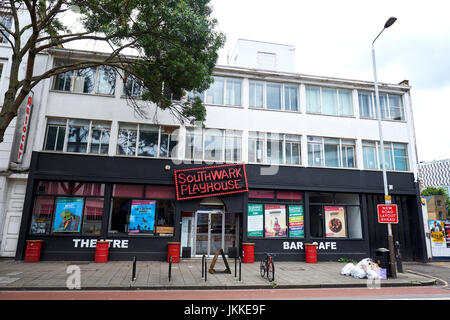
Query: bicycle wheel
point(262, 268)
point(271, 271)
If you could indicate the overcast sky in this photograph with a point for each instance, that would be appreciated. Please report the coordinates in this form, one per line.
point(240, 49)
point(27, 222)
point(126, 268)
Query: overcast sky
point(333, 38)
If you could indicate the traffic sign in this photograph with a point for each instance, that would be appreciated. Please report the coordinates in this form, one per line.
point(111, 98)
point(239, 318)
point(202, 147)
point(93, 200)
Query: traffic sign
point(387, 213)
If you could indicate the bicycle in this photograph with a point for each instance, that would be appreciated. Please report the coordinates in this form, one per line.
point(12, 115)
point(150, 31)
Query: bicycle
point(267, 267)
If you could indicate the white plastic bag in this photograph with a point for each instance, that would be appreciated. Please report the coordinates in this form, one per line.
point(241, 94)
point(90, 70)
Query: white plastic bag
point(364, 264)
point(359, 273)
point(347, 270)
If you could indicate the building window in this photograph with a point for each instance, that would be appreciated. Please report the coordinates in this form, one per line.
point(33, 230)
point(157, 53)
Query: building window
point(132, 87)
point(217, 145)
point(396, 155)
point(215, 93)
point(100, 133)
point(329, 101)
point(93, 80)
point(6, 20)
point(142, 210)
point(233, 145)
point(291, 98)
point(365, 100)
point(233, 92)
point(147, 140)
point(273, 148)
point(223, 91)
point(266, 60)
point(273, 96)
point(391, 106)
point(256, 91)
point(331, 152)
point(335, 215)
point(79, 136)
point(275, 217)
point(67, 208)
point(194, 143)
point(256, 147)
point(56, 132)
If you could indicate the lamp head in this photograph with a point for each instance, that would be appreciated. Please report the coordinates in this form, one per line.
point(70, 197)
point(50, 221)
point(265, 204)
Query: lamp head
point(390, 22)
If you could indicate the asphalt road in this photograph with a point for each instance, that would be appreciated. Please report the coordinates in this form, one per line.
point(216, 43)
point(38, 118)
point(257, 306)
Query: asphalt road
point(439, 270)
point(396, 293)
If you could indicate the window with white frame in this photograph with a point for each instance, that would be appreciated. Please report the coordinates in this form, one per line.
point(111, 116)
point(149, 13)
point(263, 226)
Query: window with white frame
point(223, 91)
point(78, 136)
point(331, 152)
point(132, 86)
point(273, 148)
point(147, 140)
point(6, 20)
point(93, 80)
point(256, 147)
point(329, 101)
point(396, 155)
point(256, 94)
point(273, 96)
point(391, 106)
point(365, 100)
point(218, 145)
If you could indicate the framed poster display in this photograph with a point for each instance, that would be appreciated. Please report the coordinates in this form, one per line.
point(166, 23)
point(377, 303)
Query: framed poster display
point(255, 223)
point(68, 215)
point(296, 222)
point(275, 221)
point(142, 216)
point(335, 222)
point(437, 233)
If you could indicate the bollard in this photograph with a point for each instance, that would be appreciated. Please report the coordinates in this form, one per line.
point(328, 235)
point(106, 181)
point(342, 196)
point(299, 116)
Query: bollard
point(206, 267)
point(170, 268)
point(203, 265)
point(398, 257)
point(133, 274)
point(240, 266)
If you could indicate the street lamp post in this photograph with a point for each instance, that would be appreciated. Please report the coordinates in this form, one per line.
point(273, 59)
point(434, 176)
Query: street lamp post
point(388, 23)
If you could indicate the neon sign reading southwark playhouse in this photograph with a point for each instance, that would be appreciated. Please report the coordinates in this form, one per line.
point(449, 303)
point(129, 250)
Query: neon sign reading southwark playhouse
point(210, 181)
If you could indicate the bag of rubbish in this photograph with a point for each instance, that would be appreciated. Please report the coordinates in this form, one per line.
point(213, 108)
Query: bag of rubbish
point(364, 264)
point(347, 270)
point(359, 273)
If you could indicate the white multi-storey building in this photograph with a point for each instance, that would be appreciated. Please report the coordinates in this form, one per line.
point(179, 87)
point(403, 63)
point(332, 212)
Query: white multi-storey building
point(304, 152)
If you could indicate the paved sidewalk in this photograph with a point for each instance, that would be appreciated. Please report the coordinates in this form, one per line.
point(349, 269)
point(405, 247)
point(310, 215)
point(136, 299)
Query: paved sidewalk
point(116, 275)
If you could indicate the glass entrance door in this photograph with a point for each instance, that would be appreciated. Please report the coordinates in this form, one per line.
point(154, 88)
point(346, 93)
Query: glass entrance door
point(209, 232)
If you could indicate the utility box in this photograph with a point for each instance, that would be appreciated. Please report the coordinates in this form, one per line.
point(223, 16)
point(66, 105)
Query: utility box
point(383, 259)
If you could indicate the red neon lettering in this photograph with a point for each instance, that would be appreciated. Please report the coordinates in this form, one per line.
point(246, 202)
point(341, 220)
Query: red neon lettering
point(184, 188)
point(181, 178)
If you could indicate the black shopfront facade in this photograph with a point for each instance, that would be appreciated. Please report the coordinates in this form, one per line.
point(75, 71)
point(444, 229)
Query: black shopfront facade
point(279, 211)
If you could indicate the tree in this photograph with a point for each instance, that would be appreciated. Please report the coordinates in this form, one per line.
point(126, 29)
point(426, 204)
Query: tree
point(440, 191)
point(174, 47)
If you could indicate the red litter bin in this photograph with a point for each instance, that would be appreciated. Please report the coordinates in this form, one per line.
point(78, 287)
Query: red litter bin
point(311, 252)
point(174, 251)
point(33, 250)
point(101, 251)
point(248, 252)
